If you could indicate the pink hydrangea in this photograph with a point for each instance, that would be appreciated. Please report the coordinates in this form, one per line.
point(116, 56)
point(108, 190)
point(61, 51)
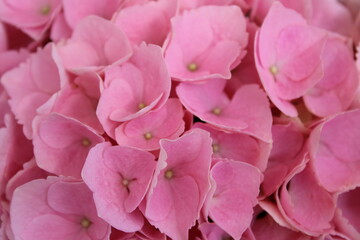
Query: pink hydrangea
point(179, 119)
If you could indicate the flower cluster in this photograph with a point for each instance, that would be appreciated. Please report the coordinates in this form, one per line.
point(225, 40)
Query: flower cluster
point(179, 119)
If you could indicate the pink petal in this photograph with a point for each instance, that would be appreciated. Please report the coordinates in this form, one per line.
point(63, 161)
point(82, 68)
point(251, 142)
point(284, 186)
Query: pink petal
point(287, 153)
point(332, 15)
point(211, 231)
point(77, 100)
point(348, 205)
point(261, 8)
point(299, 50)
point(95, 43)
point(126, 173)
point(30, 172)
point(306, 205)
point(148, 22)
point(30, 85)
point(27, 219)
point(234, 115)
point(238, 146)
point(12, 58)
point(134, 88)
point(334, 151)
point(76, 10)
point(61, 144)
point(11, 159)
point(3, 38)
point(34, 17)
point(60, 29)
point(237, 186)
point(265, 228)
point(288, 56)
point(146, 131)
point(51, 226)
point(205, 38)
point(336, 90)
point(180, 184)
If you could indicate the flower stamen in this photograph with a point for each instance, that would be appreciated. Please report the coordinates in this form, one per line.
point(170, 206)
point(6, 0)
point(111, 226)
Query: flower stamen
point(141, 106)
point(86, 142)
point(125, 182)
point(216, 148)
point(274, 70)
point(148, 136)
point(216, 111)
point(45, 10)
point(192, 67)
point(85, 223)
point(169, 174)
